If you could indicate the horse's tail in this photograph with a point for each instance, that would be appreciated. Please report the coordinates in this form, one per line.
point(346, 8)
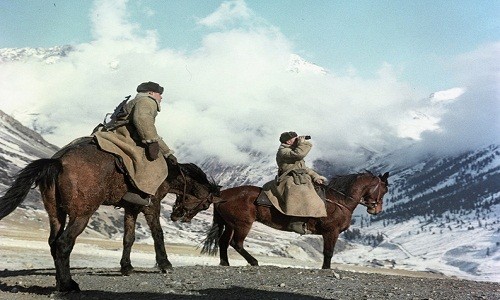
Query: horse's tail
point(41, 172)
point(211, 242)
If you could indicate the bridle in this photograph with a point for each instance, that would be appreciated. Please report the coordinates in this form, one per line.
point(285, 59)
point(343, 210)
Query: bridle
point(361, 200)
point(208, 199)
point(378, 201)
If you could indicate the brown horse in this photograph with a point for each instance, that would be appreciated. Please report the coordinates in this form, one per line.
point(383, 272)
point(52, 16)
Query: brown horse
point(80, 178)
point(234, 217)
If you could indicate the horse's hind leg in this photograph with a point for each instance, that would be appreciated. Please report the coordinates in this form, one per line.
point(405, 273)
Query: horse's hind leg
point(56, 229)
point(152, 215)
point(64, 245)
point(57, 218)
point(129, 221)
point(224, 240)
point(237, 243)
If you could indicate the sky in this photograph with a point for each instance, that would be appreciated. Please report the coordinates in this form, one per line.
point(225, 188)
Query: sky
point(398, 73)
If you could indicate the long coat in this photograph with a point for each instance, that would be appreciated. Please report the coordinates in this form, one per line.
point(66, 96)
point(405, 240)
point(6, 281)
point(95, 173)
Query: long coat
point(293, 192)
point(291, 157)
point(129, 142)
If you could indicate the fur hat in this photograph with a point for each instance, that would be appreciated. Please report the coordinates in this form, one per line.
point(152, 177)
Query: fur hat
point(285, 136)
point(150, 87)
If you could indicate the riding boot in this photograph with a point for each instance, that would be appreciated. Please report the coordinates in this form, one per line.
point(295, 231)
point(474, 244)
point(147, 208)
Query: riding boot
point(299, 227)
point(137, 199)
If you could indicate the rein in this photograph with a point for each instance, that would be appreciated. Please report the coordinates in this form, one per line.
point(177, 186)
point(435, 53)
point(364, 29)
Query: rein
point(338, 204)
point(361, 199)
point(185, 185)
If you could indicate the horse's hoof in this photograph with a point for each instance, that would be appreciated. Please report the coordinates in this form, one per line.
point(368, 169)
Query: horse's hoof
point(164, 266)
point(164, 269)
point(69, 287)
point(127, 270)
point(224, 263)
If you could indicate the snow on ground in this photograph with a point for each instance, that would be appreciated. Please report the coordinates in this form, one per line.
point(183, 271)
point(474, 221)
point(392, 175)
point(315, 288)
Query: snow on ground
point(466, 251)
point(410, 246)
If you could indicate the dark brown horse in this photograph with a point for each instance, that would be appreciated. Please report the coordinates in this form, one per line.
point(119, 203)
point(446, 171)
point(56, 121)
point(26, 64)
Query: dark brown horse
point(82, 178)
point(234, 217)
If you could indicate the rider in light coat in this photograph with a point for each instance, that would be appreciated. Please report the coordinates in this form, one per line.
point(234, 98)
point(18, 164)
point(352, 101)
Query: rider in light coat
point(133, 136)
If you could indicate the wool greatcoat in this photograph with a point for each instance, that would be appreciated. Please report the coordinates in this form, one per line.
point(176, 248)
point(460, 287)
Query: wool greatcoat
point(293, 192)
point(129, 142)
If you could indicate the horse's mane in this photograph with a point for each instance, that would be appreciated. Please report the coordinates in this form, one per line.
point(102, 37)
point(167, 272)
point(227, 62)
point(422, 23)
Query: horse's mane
point(194, 171)
point(343, 183)
point(197, 174)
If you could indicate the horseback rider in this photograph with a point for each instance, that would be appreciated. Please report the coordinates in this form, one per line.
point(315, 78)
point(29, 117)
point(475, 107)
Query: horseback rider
point(293, 172)
point(132, 135)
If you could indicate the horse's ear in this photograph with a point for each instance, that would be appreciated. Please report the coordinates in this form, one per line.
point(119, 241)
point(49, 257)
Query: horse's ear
point(385, 176)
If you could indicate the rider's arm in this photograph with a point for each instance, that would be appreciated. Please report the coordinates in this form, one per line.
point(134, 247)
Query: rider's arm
point(144, 115)
point(297, 153)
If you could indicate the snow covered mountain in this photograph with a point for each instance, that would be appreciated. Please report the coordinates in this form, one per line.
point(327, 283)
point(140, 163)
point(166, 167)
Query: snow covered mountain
point(445, 212)
point(47, 55)
point(297, 64)
point(19, 146)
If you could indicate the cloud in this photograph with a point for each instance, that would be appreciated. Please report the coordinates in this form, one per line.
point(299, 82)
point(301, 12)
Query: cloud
point(473, 119)
point(236, 93)
point(447, 95)
point(228, 13)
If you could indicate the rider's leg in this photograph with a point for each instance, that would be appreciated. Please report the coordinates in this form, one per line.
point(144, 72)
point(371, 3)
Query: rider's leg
point(137, 198)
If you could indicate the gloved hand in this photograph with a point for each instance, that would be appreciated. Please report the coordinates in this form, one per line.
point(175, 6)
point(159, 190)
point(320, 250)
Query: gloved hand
point(152, 150)
point(320, 180)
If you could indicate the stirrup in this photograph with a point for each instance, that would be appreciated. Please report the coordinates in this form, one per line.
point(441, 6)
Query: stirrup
point(137, 199)
point(299, 227)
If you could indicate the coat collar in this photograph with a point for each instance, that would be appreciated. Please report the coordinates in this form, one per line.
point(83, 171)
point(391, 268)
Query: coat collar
point(139, 95)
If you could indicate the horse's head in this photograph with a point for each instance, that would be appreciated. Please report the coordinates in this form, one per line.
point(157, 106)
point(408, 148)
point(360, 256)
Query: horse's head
point(194, 192)
point(374, 192)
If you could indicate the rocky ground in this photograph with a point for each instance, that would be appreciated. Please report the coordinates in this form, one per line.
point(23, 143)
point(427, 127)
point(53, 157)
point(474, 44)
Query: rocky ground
point(215, 282)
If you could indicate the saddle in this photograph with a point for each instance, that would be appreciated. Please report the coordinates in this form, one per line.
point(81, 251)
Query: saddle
point(263, 200)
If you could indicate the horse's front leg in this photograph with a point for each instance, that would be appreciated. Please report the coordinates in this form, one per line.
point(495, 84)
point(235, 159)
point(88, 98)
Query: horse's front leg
point(152, 214)
point(129, 221)
point(329, 241)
